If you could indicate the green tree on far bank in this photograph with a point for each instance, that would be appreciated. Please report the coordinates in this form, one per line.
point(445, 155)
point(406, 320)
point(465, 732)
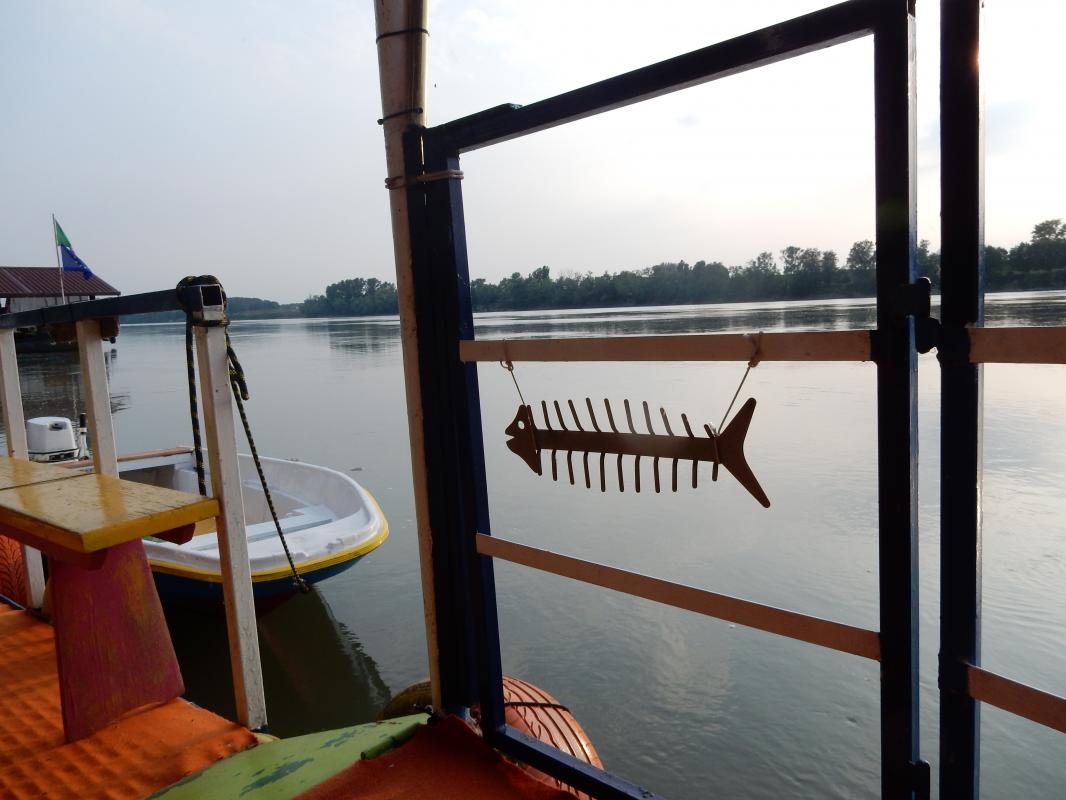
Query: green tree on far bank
point(803, 273)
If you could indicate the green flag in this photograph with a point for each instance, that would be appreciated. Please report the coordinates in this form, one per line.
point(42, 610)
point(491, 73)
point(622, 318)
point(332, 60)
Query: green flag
point(61, 238)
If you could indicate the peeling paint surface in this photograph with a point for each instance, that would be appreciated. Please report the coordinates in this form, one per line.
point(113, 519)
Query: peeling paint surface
point(279, 770)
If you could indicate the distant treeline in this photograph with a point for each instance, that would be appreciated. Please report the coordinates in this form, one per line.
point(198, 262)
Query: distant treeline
point(796, 273)
point(800, 274)
point(236, 307)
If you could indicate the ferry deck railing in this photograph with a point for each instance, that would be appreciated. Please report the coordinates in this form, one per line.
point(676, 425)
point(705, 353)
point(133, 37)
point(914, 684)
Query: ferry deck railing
point(205, 303)
point(463, 547)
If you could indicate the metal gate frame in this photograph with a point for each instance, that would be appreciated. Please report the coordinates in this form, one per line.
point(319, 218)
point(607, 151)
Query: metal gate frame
point(963, 346)
point(463, 547)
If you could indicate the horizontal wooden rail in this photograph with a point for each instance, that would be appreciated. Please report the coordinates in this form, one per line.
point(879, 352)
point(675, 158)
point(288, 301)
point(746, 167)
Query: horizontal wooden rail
point(799, 346)
point(1018, 345)
point(1017, 698)
point(127, 457)
point(834, 635)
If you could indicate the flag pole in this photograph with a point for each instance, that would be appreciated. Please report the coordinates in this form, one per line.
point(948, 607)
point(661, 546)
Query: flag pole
point(59, 262)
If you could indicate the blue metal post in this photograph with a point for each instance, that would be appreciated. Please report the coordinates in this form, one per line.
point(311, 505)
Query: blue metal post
point(897, 410)
point(962, 282)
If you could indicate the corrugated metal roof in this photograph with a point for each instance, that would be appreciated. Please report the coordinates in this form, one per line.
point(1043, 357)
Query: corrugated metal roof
point(44, 282)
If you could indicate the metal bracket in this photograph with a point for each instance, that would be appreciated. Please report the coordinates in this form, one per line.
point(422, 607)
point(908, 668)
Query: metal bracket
point(954, 345)
point(204, 302)
point(913, 299)
point(920, 779)
point(953, 677)
point(927, 332)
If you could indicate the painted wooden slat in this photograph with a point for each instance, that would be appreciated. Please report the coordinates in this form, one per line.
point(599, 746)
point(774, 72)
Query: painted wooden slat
point(1041, 707)
point(810, 346)
point(97, 397)
point(1018, 345)
point(834, 635)
point(289, 767)
point(15, 428)
point(221, 443)
point(113, 648)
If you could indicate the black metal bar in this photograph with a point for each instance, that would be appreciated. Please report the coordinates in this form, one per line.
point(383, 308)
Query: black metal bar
point(824, 28)
point(897, 408)
point(445, 419)
point(962, 305)
point(164, 300)
point(583, 777)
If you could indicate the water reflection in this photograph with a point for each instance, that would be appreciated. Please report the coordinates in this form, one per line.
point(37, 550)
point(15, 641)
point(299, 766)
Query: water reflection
point(758, 718)
point(51, 385)
point(823, 315)
point(379, 337)
point(316, 674)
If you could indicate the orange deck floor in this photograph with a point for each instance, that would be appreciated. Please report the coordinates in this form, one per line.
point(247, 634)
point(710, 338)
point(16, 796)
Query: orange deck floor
point(136, 756)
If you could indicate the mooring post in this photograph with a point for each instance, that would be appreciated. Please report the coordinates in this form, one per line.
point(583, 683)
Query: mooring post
point(213, 364)
point(97, 397)
point(15, 426)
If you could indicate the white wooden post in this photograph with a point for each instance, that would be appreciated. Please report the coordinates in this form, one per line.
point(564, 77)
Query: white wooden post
point(221, 441)
point(97, 397)
point(15, 426)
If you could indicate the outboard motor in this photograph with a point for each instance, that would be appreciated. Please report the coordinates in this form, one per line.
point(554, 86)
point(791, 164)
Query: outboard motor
point(83, 436)
point(51, 439)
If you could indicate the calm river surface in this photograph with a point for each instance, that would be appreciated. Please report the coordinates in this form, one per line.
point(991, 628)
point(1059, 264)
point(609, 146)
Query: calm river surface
point(686, 705)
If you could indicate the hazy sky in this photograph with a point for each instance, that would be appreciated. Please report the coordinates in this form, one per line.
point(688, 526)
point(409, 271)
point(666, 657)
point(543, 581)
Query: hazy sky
point(239, 138)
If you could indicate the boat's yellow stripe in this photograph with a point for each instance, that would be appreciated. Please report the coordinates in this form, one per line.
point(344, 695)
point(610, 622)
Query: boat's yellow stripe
point(282, 572)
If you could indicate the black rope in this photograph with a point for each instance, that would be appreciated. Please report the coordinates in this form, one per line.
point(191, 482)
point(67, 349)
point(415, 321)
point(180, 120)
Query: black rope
point(239, 387)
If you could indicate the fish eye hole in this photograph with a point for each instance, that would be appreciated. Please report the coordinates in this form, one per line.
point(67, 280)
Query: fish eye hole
point(521, 425)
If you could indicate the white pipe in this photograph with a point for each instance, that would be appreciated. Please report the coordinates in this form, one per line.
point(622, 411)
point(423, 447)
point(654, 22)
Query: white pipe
point(402, 72)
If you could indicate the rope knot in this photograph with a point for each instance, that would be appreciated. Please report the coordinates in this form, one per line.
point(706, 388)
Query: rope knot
point(756, 342)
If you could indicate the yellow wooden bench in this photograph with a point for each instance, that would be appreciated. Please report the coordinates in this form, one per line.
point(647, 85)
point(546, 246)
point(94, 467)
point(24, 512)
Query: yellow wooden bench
point(112, 645)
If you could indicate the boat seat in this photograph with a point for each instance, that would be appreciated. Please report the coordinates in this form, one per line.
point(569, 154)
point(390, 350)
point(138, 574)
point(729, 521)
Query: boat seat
point(298, 519)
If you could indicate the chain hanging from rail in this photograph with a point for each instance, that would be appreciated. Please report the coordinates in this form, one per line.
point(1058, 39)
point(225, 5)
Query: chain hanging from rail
point(239, 387)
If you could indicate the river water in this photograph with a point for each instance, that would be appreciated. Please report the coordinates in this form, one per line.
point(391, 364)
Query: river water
point(686, 705)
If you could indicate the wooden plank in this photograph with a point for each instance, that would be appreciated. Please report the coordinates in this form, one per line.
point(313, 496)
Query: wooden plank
point(127, 457)
point(15, 428)
point(97, 397)
point(113, 648)
point(834, 635)
point(294, 765)
point(16, 472)
point(804, 346)
point(14, 418)
point(1041, 707)
point(84, 513)
point(1018, 345)
point(221, 443)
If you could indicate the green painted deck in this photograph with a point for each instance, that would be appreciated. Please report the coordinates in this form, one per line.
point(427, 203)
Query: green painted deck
point(279, 770)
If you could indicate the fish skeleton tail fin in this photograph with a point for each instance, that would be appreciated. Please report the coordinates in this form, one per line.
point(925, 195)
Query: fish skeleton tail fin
point(731, 452)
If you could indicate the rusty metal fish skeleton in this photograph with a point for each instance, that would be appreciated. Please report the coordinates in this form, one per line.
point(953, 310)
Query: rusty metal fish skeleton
point(725, 448)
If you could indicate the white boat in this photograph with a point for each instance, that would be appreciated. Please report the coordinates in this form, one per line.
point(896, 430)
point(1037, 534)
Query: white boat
point(329, 520)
